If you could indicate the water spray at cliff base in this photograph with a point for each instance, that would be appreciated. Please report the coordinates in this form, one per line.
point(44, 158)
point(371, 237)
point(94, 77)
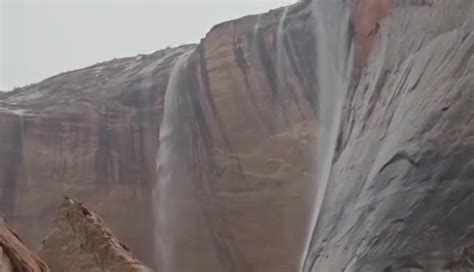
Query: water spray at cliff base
point(335, 49)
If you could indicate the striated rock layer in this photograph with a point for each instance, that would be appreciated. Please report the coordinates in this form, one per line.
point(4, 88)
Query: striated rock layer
point(79, 242)
point(237, 149)
point(249, 118)
point(400, 194)
point(399, 191)
point(92, 134)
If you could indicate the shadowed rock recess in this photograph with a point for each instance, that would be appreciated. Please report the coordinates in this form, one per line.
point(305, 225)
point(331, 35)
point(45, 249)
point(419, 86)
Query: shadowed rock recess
point(228, 184)
point(79, 242)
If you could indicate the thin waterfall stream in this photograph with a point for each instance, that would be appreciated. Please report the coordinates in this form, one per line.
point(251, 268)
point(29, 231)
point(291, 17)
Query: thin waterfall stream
point(334, 53)
point(175, 203)
point(168, 160)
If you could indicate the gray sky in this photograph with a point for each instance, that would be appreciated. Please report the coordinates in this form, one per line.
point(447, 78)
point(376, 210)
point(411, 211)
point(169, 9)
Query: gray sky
point(40, 38)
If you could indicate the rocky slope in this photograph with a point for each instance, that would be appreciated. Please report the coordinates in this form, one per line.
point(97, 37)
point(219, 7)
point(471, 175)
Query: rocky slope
point(401, 188)
point(14, 255)
point(79, 242)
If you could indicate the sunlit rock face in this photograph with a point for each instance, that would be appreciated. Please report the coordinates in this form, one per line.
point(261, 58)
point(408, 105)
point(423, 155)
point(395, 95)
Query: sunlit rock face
point(401, 186)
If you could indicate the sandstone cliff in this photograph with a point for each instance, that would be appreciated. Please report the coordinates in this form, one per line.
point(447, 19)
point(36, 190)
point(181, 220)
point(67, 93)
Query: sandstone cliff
point(242, 167)
point(90, 133)
point(79, 242)
point(93, 134)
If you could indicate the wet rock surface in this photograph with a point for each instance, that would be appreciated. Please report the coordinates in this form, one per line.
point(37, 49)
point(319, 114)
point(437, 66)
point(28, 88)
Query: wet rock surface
point(93, 134)
point(80, 242)
point(400, 190)
point(401, 187)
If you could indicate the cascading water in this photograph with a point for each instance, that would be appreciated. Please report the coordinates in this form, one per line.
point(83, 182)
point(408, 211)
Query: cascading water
point(168, 157)
point(281, 61)
point(334, 43)
point(182, 230)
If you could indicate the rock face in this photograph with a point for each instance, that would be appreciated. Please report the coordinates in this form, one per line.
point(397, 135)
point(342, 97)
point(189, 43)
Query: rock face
point(92, 134)
point(14, 255)
point(237, 149)
point(401, 187)
point(79, 242)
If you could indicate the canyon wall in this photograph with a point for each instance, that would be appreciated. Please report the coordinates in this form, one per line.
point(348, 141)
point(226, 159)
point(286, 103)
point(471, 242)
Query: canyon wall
point(237, 149)
point(249, 122)
point(399, 192)
point(89, 133)
point(79, 242)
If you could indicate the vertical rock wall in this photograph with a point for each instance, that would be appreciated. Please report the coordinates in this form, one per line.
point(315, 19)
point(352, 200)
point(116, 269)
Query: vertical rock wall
point(400, 190)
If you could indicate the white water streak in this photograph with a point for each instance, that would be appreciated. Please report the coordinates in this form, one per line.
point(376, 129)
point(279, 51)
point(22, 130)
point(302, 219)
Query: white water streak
point(334, 67)
point(167, 162)
point(282, 58)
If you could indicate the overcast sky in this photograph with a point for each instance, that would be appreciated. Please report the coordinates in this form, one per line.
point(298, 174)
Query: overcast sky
point(40, 38)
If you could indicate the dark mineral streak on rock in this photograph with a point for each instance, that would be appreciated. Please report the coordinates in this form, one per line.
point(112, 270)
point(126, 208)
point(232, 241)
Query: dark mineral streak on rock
point(399, 192)
point(13, 166)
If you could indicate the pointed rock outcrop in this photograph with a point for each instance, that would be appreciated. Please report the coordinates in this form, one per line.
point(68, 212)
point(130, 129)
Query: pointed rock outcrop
point(79, 242)
point(14, 255)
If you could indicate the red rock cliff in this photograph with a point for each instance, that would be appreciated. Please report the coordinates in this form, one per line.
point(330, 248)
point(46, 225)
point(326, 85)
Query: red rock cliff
point(399, 187)
point(93, 134)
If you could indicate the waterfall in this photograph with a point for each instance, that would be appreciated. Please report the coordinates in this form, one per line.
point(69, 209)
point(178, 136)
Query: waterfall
point(256, 28)
point(281, 61)
point(169, 154)
point(334, 67)
point(22, 127)
point(22, 139)
point(183, 232)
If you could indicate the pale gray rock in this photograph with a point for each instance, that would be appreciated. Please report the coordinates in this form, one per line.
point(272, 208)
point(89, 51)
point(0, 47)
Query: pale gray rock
point(401, 191)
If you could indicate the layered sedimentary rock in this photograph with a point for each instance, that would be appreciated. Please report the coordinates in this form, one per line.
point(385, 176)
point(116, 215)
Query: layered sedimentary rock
point(79, 242)
point(93, 134)
point(233, 171)
point(14, 255)
point(400, 193)
point(89, 133)
point(235, 164)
